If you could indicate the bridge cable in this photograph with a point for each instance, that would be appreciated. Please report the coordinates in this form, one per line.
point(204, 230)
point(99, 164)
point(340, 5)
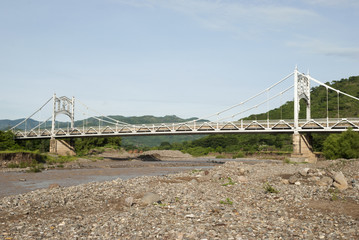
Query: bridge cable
point(115, 121)
point(256, 106)
point(25, 120)
point(338, 104)
point(239, 104)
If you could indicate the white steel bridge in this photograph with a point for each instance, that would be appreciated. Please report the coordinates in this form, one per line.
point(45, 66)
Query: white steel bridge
point(108, 126)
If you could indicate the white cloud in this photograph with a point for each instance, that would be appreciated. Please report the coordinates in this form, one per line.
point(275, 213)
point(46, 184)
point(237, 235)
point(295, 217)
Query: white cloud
point(234, 16)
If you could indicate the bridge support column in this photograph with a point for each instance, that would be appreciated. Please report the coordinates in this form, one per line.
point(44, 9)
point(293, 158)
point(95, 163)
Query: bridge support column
point(61, 147)
point(302, 149)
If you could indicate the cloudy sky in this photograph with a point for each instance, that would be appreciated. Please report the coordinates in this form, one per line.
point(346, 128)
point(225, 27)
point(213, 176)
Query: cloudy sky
point(164, 57)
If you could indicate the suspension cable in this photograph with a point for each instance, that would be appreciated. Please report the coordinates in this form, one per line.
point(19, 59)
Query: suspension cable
point(338, 103)
point(241, 103)
point(116, 121)
point(256, 106)
point(32, 114)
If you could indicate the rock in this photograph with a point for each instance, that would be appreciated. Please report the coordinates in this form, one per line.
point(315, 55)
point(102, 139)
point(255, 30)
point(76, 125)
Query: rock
point(150, 198)
point(325, 181)
point(22, 180)
point(242, 179)
point(304, 171)
point(193, 181)
point(129, 201)
point(189, 216)
point(54, 185)
point(297, 183)
point(293, 179)
point(285, 181)
point(340, 181)
point(242, 171)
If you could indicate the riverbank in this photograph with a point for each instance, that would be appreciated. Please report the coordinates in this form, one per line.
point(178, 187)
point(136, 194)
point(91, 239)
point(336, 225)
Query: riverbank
point(232, 201)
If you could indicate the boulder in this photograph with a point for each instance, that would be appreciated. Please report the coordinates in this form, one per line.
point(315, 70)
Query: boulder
point(339, 181)
point(325, 181)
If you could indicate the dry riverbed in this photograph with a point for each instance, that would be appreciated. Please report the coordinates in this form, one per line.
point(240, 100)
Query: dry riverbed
point(235, 200)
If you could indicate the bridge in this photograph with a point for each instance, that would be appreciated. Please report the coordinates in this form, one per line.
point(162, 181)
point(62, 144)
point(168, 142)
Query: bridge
point(108, 126)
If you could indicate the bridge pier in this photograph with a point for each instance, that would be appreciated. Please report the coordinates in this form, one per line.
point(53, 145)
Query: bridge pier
point(61, 147)
point(302, 149)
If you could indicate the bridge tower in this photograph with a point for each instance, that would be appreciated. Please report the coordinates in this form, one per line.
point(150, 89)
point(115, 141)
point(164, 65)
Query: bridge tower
point(301, 91)
point(66, 106)
point(302, 149)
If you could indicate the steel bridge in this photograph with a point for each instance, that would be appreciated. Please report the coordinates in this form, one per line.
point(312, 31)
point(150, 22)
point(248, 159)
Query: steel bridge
point(108, 126)
point(111, 127)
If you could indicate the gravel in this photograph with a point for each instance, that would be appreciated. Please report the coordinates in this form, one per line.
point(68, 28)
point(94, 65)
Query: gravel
point(232, 201)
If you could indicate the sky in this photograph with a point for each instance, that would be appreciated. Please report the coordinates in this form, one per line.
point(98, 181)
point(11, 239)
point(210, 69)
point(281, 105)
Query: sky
point(189, 58)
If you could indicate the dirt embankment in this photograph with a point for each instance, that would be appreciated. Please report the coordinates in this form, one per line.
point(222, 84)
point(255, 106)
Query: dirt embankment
point(19, 157)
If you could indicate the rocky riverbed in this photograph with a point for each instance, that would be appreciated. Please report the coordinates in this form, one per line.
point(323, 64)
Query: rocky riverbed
point(232, 201)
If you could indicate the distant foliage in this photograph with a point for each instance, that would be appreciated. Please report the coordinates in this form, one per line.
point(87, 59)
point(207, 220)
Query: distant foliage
point(83, 145)
point(344, 145)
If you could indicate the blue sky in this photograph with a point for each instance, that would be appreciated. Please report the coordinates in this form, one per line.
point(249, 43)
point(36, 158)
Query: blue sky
point(164, 57)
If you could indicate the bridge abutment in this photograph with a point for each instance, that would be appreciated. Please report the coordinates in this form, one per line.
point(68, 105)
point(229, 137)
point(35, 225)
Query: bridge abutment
point(61, 147)
point(302, 149)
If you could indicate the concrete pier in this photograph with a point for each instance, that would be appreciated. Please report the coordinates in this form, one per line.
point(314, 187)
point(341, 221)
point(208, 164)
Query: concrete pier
point(302, 149)
point(61, 147)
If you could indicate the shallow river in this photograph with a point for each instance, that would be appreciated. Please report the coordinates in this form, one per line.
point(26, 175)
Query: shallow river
point(12, 183)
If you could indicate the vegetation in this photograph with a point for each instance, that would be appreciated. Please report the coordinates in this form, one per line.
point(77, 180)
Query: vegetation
point(344, 145)
point(84, 145)
point(269, 188)
point(227, 201)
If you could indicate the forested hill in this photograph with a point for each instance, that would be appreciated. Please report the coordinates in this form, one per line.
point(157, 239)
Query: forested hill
point(348, 106)
point(148, 119)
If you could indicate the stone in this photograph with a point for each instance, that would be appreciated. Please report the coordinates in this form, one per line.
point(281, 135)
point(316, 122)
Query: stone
point(293, 179)
point(54, 185)
point(242, 179)
point(285, 181)
point(150, 198)
point(340, 181)
point(325, 181)
point(129, 201)
point(304, 172)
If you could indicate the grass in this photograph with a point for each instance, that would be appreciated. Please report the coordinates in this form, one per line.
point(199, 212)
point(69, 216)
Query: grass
point(227, 201)
point(269, 188)
point(230, 182)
